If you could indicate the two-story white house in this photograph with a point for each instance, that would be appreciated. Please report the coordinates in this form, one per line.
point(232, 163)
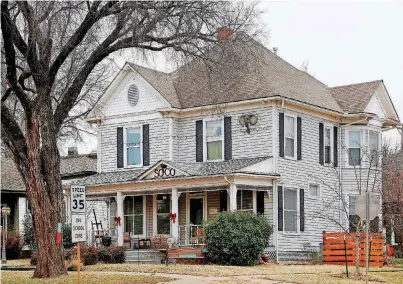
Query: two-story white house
point(243, 131)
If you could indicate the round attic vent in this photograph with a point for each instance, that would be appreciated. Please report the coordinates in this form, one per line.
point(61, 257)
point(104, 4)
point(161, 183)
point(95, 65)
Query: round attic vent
point(133, 95)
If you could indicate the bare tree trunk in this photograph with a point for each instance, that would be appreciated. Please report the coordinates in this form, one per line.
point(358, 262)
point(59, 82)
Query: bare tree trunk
point(357, 248)
point(44, 190)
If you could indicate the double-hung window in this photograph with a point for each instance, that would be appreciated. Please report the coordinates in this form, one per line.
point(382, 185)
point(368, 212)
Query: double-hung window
point(373, 148)
point(163, 209)
point(134, 215)
point(290, 210)
point(290, 136)
point(354, 147)
point(133, 146)
point(214, 139)
point(328, 144)
point(244, 200)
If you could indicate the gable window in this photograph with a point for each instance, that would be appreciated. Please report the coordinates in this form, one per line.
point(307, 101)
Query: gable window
point(163, 209)
point(328, 144)
point(354, 148)
point(373, 148)
point(314, 190)
point(134, 212)
point(290, 210)
point(244, 200)
point(214, 139)
point(133, 146)
point(290, 134)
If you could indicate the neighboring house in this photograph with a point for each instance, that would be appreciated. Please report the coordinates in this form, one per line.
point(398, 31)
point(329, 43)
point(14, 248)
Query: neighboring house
point(176, 145)
point(13, 193)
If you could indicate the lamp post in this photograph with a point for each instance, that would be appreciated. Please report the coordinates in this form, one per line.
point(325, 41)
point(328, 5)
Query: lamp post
point(5, 212)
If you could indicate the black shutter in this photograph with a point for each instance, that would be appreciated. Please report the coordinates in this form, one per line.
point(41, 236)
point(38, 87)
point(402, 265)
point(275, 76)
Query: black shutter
point(321, 145)
point(119, 148)
point(146, 144)
point(227, 138)
point(280, 207)
point(199, 141)
point(301, 210)
point(335, 148)
point(299, 138)
point(281, 134)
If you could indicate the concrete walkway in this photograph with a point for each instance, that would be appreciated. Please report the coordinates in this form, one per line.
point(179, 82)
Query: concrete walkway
point(193, 279)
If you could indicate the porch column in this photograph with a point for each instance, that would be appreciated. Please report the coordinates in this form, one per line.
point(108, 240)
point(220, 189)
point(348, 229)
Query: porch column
point(121, 228)
point(175, 210)
point(232, 197)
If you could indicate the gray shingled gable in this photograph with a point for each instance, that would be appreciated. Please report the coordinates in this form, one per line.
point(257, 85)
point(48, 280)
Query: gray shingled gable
point(355, 97)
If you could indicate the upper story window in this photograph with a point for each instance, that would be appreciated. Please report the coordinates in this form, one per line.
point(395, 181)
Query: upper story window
point(374, 148)
point(354, 148)
point(133, 146)
point(290, 134)
point(214, 139)
point(328, 144)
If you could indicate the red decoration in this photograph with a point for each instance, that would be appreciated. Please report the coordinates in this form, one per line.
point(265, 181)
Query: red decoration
point(117, 221)
point(172, 216)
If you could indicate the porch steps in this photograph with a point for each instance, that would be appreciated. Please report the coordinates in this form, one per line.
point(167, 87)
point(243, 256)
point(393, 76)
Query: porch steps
point(144, 256)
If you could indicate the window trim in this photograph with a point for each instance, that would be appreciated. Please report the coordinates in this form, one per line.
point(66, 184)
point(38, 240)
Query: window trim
point(298, 232)
point(205, 120)
point(155, 222)
point(144, 216)
point(125, 146)
point(331, 127)
point(202, 195)
point(309, 192)
point(295, 136)
point(347, 142)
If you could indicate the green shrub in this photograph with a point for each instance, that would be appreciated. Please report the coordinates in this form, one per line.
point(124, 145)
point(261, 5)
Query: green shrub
point(112, 255)
point(237, 238)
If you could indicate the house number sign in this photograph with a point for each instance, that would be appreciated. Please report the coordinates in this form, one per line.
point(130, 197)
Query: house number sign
point(165, 172)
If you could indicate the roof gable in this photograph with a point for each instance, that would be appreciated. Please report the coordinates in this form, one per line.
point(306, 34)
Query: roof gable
point(162, 169)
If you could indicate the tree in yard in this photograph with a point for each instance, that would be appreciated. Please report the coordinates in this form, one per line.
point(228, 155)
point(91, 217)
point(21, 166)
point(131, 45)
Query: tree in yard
point(367, 177)
point(40, 99)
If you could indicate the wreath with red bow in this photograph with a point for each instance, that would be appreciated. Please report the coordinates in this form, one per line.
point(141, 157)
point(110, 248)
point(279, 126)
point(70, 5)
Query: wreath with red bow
point(172, 216)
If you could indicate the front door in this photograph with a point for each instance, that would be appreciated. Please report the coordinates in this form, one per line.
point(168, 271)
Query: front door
point(196, 210)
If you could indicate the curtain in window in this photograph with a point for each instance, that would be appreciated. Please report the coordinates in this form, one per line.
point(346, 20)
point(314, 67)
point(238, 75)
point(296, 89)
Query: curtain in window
point(289, 136)
point(163, 209)
point(373, 147)
point(327, 146)
point(290, 210)
point(214, 139)
point(214, 150)
point(213, 129)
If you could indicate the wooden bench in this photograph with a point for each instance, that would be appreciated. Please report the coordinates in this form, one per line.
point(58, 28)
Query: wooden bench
point(184, 253)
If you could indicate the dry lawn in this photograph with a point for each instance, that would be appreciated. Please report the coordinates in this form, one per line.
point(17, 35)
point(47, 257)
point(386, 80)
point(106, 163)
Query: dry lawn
point(14, 277)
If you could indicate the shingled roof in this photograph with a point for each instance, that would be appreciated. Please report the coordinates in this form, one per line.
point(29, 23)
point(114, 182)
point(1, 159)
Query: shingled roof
point(355, 97)
point(69, 167)
point(237, 69)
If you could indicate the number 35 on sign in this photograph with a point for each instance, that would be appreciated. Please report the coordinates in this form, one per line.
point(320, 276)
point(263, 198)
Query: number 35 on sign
point(77, 199)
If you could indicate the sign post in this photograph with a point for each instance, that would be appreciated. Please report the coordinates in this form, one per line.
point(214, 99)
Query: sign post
point(367, 206)
point(78, 220)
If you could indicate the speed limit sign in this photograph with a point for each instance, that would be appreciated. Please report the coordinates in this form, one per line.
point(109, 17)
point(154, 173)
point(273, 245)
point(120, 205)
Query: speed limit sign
point(78, 199)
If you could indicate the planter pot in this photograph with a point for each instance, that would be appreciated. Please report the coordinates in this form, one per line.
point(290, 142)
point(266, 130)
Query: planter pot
point(106, 241)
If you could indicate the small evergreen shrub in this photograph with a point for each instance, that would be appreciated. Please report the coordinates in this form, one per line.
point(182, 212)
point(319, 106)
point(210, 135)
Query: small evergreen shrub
point(237, 238)
point(28, 231)
point(67, 242)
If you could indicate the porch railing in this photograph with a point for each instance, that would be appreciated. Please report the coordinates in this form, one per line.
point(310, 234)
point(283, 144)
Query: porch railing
point(191, 235)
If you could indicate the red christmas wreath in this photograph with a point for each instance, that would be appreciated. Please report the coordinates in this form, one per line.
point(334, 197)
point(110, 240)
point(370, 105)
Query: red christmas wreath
point(172, 216)
point(117, 221)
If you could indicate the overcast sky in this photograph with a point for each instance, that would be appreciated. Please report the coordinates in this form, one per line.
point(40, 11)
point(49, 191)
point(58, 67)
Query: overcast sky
point(342, 43)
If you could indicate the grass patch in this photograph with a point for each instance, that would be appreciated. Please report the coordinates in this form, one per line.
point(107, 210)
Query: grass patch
point(19, 263)
point(216, 270)
point(86, 277)
point(397, 262)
